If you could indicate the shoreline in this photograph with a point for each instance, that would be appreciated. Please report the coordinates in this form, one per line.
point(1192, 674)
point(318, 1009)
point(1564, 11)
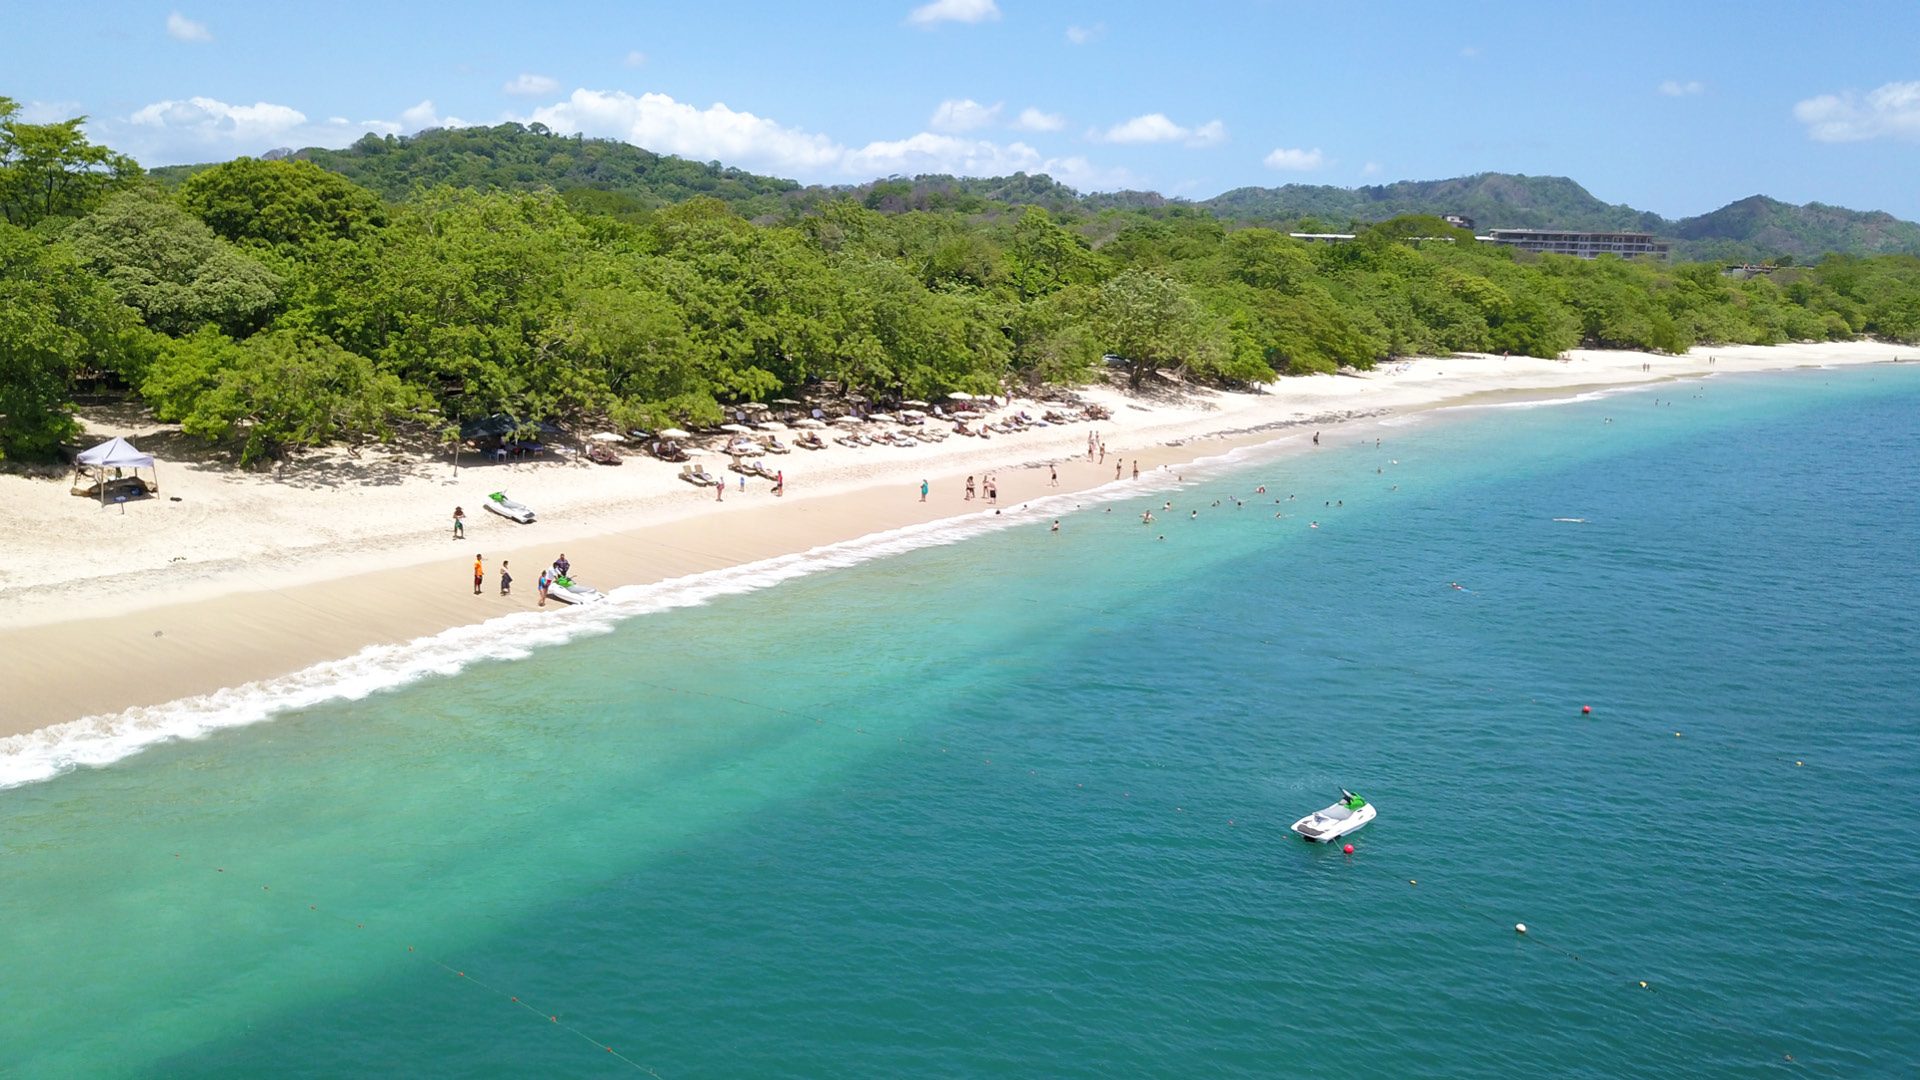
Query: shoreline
point(235, 619)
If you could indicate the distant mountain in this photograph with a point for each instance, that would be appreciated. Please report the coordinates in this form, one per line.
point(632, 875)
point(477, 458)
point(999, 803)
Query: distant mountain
point(1760, 224)
point(1753, 228)
point(608, 176)
point(1492, 200)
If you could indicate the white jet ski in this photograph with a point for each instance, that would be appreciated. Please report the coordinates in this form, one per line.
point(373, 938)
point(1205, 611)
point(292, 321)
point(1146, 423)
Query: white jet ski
point(572, 591)
point(1336, 821)
point(507, 508)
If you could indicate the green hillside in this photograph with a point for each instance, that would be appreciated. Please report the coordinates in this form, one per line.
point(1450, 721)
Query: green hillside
point(513, 157)
point(609, 177)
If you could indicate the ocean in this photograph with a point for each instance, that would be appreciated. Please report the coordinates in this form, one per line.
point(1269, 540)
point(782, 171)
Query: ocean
point(983, 799)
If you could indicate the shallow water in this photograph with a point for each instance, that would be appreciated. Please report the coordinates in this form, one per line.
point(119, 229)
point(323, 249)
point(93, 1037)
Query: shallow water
point(1016, 804)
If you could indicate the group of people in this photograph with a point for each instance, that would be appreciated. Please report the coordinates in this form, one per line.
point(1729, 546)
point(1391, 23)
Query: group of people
point(560, 569)
point(989, 489)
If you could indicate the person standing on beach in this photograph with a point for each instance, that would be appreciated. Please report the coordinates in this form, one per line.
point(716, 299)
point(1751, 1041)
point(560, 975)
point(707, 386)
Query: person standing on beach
point(923, 491)
point(1053, 476)
point(562, 565)
point(1103, 453)
point(1136, 468)
point(720, 491)
point(1316, 438)
point(459, 523)
point(779, 481)
point(506, 579)
point(479, 575)
point(540, 586)
point(969, 497)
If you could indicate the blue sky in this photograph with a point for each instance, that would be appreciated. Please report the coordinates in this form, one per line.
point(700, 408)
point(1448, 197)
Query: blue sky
point(1677, 108)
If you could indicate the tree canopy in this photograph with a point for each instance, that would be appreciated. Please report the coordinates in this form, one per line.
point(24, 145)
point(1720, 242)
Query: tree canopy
point(273, 304)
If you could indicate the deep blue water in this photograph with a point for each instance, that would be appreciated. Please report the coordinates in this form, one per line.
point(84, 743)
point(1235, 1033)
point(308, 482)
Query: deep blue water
point(1017, 806)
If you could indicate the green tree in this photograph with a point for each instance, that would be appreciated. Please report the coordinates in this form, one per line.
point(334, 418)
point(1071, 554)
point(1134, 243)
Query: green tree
point(167, 265)
point(1151, 321)
point(281, 203)
point(54, 318)
point(276, 391)
point(51, 170)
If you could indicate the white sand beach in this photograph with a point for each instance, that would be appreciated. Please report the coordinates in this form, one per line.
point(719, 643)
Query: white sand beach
point(230, 577)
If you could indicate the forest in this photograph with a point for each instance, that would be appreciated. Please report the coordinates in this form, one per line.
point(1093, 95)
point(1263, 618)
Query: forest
point(267, 305)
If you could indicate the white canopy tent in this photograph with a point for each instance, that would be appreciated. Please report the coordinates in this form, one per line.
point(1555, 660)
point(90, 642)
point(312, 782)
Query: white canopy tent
point(118, 455)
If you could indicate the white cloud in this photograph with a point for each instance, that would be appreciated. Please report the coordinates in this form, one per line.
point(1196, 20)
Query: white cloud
point(213, 119)
point(717, 132)
point(1032, 119)
point(1081, 35)
point(635, 59)
point(425, 115)
point(49, 112)
point(1371, 168)
point(181, 28)
point(201, 128)
point(962, 11)
point(1287, 160)
point(1470, 52)
point(1890, 112)
point(658, 122)
point(963, 114)
point(1676, 88)
point(529, 85)
point(1156, 128)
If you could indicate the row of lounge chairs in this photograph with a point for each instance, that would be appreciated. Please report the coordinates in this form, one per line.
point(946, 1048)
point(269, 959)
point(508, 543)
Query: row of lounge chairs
point(750, 467)
point(698, 476)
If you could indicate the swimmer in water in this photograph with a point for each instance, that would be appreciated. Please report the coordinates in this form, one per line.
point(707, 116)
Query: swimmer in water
point(1455, 585)
point(1056, 525)
point(1313, 524)
point(1193, 516)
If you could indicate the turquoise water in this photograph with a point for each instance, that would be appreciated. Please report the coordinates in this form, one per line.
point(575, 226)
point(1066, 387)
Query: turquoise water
point(1017, 805)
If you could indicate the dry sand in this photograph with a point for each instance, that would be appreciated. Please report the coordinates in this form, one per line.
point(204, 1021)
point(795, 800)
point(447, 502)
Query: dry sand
point(252, 576)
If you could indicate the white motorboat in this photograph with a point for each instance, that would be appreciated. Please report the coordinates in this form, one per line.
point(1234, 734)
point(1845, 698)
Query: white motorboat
point(572, 591)
point(1336, 821)
point(507, 508)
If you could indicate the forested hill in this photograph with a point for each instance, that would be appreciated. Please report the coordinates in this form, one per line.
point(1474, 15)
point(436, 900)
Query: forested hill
point(612, 177)
point(512, 157)
point(1753, 228)
point(1492, 200)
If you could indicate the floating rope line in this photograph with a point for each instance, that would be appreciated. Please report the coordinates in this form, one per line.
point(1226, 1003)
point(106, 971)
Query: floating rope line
point(461, 974)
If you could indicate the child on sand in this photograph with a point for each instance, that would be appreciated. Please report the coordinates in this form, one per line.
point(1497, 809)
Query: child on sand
point(459, 523)
point(479, 575)
point(506, 579)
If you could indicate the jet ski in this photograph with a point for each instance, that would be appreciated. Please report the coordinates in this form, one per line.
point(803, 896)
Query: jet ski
point(1336, 821)
point(572, 591)
point(507, 508)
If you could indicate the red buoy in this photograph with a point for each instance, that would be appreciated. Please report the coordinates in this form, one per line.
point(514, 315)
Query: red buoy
point(1586, 710)
point(1348, 849)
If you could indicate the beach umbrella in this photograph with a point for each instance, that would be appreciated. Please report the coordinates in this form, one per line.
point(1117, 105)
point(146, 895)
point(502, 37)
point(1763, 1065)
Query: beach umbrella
point(606, 436)
point(880, 417)
point(809, 422)
point(915, 403)
point(673, 433)
point(784, 401)
point(847, 420)
point(961, 395)
point(771, 425)
point(915, 413)
point(737, 429)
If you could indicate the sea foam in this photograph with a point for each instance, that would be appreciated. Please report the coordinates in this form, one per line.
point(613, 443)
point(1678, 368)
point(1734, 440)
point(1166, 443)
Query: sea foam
point(100, 740)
